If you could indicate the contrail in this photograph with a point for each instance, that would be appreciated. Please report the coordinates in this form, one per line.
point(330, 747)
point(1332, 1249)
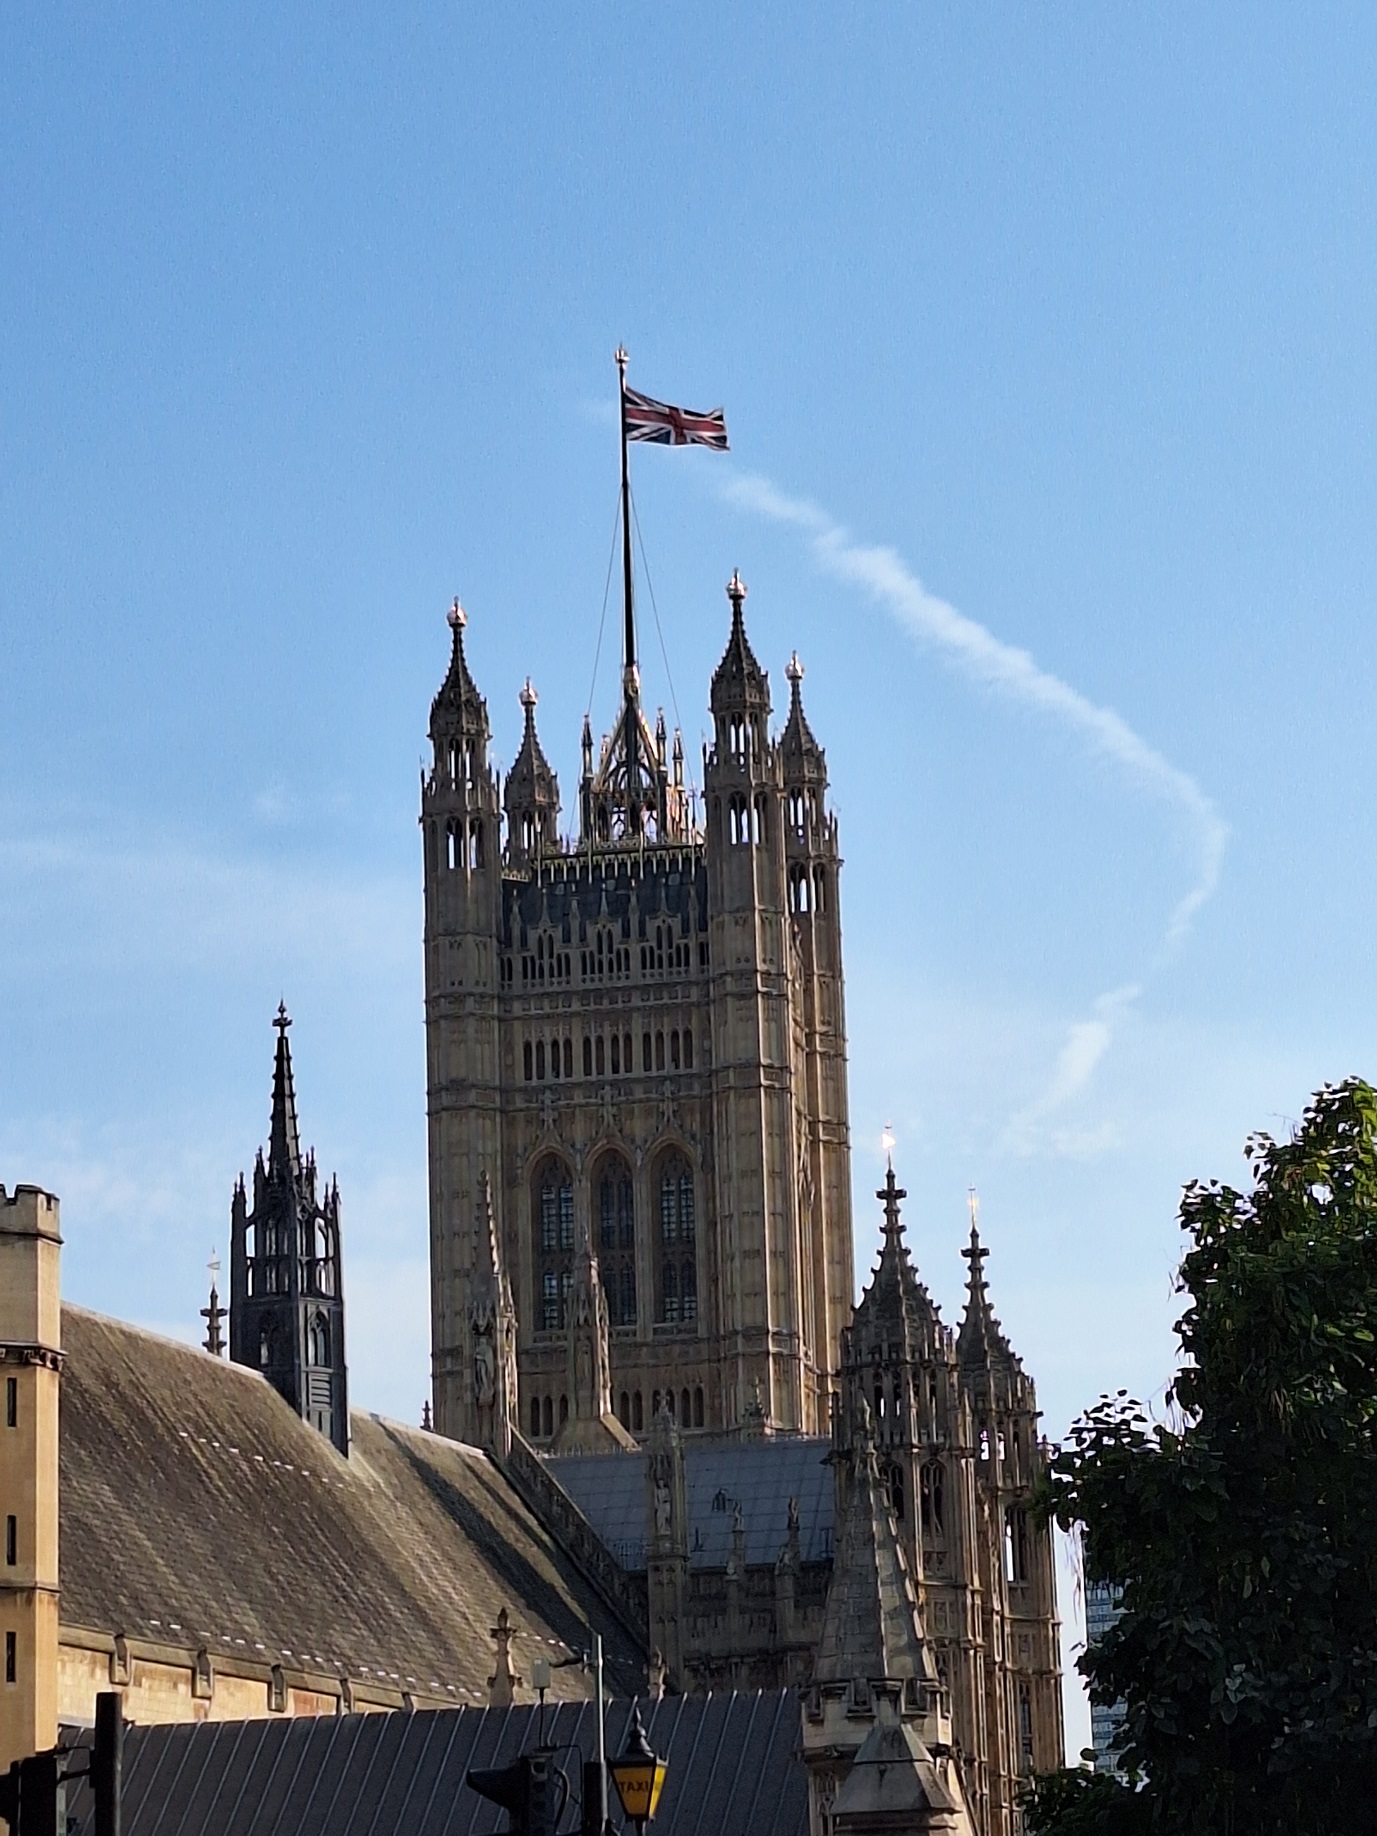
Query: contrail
point(986, 660)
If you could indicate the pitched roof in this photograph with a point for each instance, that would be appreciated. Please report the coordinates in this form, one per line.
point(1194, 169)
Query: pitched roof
point(760, 1476)
point(733, 1769)
point(197, 1509)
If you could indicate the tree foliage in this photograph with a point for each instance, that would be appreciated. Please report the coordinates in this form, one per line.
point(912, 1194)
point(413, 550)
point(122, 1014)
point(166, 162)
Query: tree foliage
point(1244, 1533)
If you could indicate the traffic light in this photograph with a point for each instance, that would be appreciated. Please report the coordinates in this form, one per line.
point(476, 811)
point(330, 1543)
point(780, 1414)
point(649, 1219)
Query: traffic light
point(526, 1790)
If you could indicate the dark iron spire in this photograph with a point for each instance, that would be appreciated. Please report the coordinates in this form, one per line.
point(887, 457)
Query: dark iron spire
point(284, 1141)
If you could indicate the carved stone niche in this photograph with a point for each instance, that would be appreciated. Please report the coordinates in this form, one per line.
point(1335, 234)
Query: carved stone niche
point(120, 1668)
point(277, 1691)
point(202, 1677)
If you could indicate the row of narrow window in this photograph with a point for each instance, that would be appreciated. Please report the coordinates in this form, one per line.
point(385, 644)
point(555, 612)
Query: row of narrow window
point(688, 1412)
point(463, 843)
point(807, 892)
point(545, 1414)
point(675, 1250)
point(548, 965)
point(317, 1343)
point(660, 1051)
point(748, 823)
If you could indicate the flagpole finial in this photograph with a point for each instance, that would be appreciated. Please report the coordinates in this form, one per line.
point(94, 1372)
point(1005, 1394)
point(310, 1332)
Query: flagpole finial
point(620, 357)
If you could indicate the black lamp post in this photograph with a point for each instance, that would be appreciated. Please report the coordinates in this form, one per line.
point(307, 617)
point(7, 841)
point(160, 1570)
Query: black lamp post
point(639, 1775)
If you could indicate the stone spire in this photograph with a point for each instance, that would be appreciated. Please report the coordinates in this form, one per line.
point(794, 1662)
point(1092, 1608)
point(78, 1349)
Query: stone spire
point(591, 1425)
point(877, 1726)
point(284, 1140)
point(804, 758)
point(531, 796)
point(286, 1314)
point(458, 707)
point(981, 1340)
point(491, 1320)
point(214, 1314)
point(872, 1630)
point(739, 684)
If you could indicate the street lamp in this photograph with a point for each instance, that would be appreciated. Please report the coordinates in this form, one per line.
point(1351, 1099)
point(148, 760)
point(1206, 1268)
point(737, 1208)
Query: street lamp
point(639, 1775)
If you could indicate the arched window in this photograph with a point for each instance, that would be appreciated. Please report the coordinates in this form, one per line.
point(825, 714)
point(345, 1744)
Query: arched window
point(587, 1056)
point(616, 1214)
point(318, 1338)
point(688, 1048)
point(547, 1413)
point(535, 1418)
point(553, 1207)
point(1016, 1544)
point(265, 1347)
point(677, 1241)
point(930, 1500)
point(637, 1413)
point(698, 1407)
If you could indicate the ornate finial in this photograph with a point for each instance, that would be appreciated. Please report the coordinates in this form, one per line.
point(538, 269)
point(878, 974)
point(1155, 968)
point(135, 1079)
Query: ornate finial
point(457, 616)
point(890, 1194)
point(214, 1314)
point(736, 593)
point(793, 671)
point(620, 357)
point(528, 698)
point(504, 1682)
point(887, 1145)
point(282, 1020)
point(977, 1252)
point(425, 1416)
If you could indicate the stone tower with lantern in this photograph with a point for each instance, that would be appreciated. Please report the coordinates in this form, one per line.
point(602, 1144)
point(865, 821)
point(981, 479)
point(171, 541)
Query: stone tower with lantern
point(636, 1034)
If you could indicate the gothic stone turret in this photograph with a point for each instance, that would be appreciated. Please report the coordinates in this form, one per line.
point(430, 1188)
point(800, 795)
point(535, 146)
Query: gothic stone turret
point(877, 1731)
point(286, 1287)
point(640, 1032)
point(958, 1467)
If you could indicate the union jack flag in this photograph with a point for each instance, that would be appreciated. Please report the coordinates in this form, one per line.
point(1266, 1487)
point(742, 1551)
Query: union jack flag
point(644, 419)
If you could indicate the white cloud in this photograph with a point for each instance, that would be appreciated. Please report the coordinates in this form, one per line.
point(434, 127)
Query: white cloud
point(992, 664)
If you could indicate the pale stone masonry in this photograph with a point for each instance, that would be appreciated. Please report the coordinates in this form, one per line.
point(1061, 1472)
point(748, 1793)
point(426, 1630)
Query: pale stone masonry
point(639, 1037)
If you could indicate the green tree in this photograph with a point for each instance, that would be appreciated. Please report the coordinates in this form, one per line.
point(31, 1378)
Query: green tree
point(1244, 1534)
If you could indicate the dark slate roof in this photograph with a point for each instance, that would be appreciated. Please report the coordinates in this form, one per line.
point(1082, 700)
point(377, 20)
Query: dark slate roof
point(733, 1770)
point(198, 1509)
point(761, 1475)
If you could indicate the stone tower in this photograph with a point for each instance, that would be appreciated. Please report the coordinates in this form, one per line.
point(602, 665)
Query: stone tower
point(1018, 1594)
point(953, 1422)
point(640, 1033)
point(286, 1292)
point(31, 1367)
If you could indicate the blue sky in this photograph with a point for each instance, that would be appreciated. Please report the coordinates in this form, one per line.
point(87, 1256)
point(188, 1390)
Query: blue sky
point(1045, 340)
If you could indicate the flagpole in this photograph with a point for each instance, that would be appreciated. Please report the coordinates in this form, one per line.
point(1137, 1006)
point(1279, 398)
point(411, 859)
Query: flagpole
point(629, 660)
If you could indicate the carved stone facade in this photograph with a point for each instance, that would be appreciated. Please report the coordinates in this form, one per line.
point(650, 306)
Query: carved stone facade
point(954, 1421)
point(639, 1036)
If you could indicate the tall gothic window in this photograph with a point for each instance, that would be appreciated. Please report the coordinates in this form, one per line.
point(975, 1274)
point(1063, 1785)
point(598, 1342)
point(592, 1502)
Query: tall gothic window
point(678, 1242)
point(930, 1500)
point(614, 1197)
point(554, 1242)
